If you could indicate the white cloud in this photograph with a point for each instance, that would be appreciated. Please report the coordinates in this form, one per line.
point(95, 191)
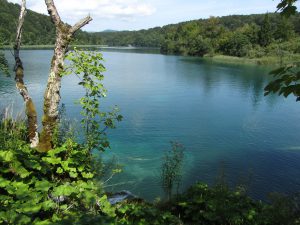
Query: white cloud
point(73, 10)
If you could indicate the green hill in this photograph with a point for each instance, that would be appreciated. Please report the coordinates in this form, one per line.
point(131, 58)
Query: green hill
point(38, 28)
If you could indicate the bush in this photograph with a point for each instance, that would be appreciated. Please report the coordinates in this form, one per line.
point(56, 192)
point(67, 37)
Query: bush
point(218, 205)
point(46, 188)
point(171, 169)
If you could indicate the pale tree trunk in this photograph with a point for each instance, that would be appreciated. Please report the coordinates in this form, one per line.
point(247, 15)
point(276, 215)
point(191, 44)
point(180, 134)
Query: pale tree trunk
point(19, 75)
point(64, 34)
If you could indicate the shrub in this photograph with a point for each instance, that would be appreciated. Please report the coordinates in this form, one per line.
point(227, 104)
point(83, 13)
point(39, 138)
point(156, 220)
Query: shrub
point(171, 169)
point(46, 188)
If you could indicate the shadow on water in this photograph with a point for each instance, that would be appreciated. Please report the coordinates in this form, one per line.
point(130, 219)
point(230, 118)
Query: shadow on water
point(266, 171)
point(241, 77)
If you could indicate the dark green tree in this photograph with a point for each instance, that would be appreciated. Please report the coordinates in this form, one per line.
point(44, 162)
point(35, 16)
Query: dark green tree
point(265, 33)
point(285, 30)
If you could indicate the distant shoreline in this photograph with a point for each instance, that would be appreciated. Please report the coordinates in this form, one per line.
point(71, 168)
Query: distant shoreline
point(266, 60)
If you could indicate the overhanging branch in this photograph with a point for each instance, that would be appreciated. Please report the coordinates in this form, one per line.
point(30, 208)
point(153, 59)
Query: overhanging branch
point(80, 24)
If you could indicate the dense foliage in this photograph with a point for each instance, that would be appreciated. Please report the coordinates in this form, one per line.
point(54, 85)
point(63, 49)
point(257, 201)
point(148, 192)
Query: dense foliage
point(220, 205)
point(251, 36)
point(50, 187)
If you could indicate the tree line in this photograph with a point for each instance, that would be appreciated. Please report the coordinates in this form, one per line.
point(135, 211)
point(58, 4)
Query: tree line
point(250, 36)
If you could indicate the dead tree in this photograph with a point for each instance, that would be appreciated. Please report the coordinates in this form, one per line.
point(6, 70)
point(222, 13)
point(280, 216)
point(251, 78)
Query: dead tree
point(64, 34)
point(19, 75)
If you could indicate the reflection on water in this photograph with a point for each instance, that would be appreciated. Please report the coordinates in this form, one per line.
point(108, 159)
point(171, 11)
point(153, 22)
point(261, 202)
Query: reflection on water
point(217, 111)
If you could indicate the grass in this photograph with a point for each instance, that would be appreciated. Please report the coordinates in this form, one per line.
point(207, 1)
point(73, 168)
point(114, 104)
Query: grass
point(265, 60)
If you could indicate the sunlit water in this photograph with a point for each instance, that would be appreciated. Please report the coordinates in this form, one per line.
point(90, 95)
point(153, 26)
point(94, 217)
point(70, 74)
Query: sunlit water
point(217, 111)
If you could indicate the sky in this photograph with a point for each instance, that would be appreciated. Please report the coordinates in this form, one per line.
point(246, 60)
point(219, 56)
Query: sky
point(144, 14)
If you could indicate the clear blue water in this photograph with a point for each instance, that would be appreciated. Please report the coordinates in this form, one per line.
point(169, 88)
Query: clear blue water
point(217, 111)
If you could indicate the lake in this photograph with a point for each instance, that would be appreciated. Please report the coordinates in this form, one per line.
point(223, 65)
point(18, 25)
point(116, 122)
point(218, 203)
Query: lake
point(217, 111)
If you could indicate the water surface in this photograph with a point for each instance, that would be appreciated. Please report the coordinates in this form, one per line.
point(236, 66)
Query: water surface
point(217, 111)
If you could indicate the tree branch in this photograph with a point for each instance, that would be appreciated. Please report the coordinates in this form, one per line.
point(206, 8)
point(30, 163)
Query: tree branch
point(19, 35)
point(80, 24)
point(53, 12)
point(19, 71)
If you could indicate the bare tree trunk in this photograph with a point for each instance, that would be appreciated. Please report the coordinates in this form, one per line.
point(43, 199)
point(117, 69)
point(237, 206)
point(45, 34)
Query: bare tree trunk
point(19, 75)
point(64, 34)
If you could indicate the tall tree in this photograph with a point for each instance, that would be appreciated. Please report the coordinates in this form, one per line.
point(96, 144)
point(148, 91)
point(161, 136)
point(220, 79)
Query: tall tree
point(19, 75)
point(285, 29)
point(64, 34)
point(266, 33)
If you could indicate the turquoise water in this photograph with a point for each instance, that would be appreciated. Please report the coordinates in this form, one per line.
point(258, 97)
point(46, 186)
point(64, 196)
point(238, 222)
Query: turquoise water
point(217, 111)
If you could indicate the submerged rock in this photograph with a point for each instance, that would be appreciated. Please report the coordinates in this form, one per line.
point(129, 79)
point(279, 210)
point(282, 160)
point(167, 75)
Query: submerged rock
point(120, 197)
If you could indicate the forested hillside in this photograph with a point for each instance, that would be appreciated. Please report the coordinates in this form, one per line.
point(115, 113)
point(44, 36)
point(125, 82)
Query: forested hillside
point(251, 36)
point(38, 29)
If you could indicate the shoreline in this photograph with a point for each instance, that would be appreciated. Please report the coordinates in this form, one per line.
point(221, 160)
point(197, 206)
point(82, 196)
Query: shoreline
point(265, 60)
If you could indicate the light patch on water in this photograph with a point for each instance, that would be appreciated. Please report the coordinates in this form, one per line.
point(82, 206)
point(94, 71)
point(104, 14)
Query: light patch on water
point(252, 124)
point(291, 148)
point(142, 159)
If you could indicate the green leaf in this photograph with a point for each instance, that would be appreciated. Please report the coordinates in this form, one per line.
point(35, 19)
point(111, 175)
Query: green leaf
point(87, 175)
point(59, 170)
point(64, 190)
point(106, 207)
point(43, 185)
point(4, 182)
point(53, 161)
point(73, 174)
point(6, 156)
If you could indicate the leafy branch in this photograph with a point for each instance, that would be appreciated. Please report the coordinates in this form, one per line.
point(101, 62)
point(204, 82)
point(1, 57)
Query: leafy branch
point(287, 78)
point(87, 65)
